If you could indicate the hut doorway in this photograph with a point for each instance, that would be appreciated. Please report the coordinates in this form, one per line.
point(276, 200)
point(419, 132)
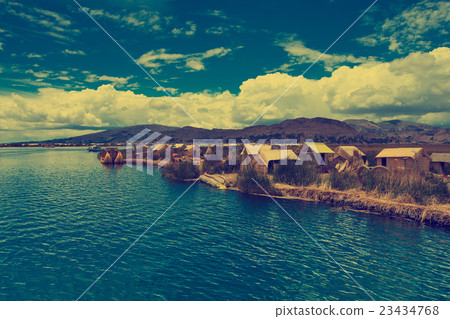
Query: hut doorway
point(270, 167)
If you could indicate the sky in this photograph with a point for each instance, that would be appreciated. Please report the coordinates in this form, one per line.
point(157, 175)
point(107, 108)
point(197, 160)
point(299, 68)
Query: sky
point(218, 64)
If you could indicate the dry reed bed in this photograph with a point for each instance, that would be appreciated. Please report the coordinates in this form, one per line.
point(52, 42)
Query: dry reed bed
point(437, 215)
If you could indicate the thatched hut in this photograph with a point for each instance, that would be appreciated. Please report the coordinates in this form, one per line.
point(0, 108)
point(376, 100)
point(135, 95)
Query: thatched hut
point(269, 159)
point(159, 151)
point(404, 158)
point(440, 163)
point(119, 158)
point(211, 150)
point(321, 149)
point(178, 148)
point(189, 151)
point(292, 147)
point(106, 159)
point(111, 156)
point(346, 153)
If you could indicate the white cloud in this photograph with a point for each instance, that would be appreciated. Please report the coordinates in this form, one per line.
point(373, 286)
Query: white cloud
point(143, 20)
point(193, 62)
point(415, 88)
point(74, 52)
point(217, 13)
point(215, 30)
point(56, 24)
point(220, 29)
point(58, 19)
point(416, 28)
point(1, 46)
point(299, 54)
point(64, 78)
point(190, 29)
point(39, 74)
point(172, 91)
point(115, 80)
point(34, 55)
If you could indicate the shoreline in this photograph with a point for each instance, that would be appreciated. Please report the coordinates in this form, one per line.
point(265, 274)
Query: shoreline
point(432, 215)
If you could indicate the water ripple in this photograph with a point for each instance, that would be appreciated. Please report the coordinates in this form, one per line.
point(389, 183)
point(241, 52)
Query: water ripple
point(65, 219)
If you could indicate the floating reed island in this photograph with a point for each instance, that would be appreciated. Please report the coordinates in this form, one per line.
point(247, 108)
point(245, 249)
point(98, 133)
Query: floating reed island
point(396, 182)
point(433, 215)
point(111, 156)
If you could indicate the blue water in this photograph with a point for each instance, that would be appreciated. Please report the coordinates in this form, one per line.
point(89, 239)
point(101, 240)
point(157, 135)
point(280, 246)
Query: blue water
point(65, 219)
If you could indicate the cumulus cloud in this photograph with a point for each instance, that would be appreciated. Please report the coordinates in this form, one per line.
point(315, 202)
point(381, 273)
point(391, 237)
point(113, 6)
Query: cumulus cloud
point(414, 88)
point(194, 62)
point(415, 85)
point(416, 28)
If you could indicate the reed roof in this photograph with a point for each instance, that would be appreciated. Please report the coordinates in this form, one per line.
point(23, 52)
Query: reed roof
point(401, 152)
point(268, 154)
point(348, 150)
point(276, 155)
point(440, 157)
point(320, 148)
point(159, 147)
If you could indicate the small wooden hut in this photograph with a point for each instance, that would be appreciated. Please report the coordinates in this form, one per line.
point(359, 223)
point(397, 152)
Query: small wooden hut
point(323, 150)
point(189, 151)
point(178, 148)
point(346, 153)
point(440, 163)
point(404, 158)
point(111, 156)
point(270, 158)
point(159, 151)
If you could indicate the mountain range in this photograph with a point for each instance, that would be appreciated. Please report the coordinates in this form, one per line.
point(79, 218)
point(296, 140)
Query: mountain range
point(319, 129)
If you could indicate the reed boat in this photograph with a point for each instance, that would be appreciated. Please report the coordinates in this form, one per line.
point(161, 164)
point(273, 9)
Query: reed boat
point(96, 148)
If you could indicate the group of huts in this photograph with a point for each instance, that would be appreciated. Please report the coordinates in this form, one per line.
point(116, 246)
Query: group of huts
point(350, 158)
point(266, 158)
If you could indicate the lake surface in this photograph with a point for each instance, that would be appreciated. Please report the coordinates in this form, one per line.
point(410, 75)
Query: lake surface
point(65, 218)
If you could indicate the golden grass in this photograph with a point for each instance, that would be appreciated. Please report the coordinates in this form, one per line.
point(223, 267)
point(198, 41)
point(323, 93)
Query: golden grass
point(438, 214)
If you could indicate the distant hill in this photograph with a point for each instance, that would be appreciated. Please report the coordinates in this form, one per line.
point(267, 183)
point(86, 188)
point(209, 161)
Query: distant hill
point(117, 135)
point(402, 132)
point(319, 129)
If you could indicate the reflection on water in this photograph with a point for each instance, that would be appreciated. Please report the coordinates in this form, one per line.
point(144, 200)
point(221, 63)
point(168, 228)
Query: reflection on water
point(115, 167)
point(65, 218)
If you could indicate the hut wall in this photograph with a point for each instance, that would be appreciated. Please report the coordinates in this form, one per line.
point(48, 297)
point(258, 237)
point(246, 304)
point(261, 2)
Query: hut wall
point(395, 163)
point(423, 164)
point(379, 161)
point(261, 169)
point(437, 167)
